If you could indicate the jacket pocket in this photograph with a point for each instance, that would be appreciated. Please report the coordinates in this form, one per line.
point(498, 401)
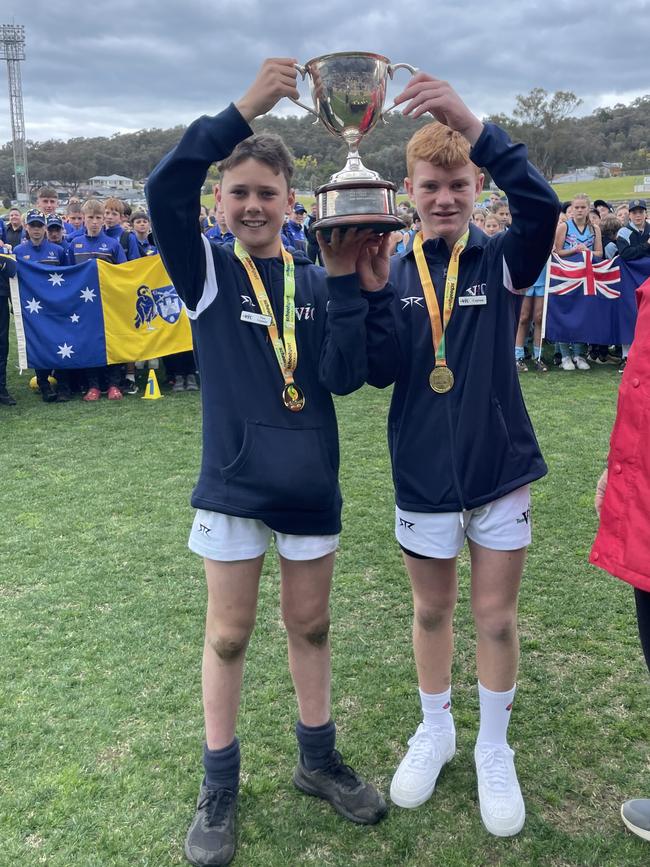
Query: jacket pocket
point(281, 469)
point(498, 410)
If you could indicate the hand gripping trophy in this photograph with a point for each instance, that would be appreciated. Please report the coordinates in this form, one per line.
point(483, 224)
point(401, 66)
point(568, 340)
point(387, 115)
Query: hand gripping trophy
point(349, 91)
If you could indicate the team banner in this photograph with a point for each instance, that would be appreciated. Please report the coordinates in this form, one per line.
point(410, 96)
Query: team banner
point(95, 313)
point(592, 300)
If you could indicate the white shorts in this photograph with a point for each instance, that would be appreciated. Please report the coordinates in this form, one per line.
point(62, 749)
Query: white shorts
point(502, 525)
point(227, 537)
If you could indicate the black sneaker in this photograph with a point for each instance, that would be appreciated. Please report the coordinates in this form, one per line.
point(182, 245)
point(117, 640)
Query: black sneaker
point(211, 836)
point(129, 387)
point(48, 394)
point(337, 783)
point(6, 399)
point(622, 365)
point(557, 359)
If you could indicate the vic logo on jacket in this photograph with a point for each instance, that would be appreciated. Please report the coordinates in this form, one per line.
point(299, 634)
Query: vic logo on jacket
point(305, 313)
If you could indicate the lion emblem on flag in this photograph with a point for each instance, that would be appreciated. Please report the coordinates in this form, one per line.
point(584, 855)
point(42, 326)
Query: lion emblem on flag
point(150, 303)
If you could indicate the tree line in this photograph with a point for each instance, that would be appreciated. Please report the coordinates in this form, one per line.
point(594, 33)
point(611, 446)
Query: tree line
point(557, 140)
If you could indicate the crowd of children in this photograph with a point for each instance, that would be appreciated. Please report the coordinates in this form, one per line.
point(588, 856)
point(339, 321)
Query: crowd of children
point(108, 230)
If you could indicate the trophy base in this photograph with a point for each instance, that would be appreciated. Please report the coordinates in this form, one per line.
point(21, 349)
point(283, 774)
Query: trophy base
point(365, 204)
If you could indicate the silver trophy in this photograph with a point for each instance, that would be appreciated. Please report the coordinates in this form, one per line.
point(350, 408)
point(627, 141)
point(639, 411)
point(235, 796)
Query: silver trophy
point(349, 91)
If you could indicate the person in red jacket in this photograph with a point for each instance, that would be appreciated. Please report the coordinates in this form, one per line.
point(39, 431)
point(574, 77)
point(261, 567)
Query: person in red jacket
point(622, 545)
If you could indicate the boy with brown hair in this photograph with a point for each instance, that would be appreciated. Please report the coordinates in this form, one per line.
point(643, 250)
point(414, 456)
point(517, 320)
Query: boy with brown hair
point(270, 440)
point(113, 227)
point(441, 326)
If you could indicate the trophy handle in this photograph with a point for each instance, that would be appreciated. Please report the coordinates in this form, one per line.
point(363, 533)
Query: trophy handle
point(303, 72)
point(392, 68)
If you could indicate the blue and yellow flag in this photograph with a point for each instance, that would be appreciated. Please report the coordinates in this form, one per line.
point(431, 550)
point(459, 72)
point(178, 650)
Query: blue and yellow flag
point(95, 313)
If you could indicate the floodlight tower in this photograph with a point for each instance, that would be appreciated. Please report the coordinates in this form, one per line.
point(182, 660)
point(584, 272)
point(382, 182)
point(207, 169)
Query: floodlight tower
point(12, 49)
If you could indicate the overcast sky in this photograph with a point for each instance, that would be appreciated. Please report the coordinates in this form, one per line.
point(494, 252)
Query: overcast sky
point(96, 68)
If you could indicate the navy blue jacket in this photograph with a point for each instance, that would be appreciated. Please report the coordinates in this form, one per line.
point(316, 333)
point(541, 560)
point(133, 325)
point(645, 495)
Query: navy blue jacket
point(463, 449)
point(82, 247)
point(7, 270)
point(46, 253)
point(259, 459)
point(632, 243)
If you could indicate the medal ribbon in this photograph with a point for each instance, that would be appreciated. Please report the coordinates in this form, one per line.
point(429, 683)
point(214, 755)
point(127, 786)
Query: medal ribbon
point(438, 323)
point(286, 351)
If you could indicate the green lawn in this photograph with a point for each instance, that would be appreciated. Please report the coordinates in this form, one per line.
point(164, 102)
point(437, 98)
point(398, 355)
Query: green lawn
point(102, 619)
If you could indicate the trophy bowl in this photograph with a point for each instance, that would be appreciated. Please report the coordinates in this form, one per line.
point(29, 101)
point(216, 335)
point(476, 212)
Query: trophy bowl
point(349, 91)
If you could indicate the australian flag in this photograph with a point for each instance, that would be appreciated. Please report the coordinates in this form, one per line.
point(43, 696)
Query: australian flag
point(59, 317)
point(592, 300)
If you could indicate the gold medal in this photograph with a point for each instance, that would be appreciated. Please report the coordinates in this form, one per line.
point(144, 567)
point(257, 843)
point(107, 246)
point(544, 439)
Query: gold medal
point(441, 380)
point(292, 397)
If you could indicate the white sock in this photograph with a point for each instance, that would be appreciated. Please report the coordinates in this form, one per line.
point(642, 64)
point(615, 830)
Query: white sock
point(495, 714)
point(436, 709)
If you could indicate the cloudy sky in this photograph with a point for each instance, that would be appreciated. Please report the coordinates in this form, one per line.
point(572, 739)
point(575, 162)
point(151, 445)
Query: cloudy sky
point(98, 68)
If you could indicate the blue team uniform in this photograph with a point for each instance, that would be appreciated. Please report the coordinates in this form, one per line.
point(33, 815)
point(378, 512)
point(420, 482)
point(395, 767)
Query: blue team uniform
point(259, 459)
point(147, 247)
point(116, 232)
point(293, 236)
point(474, 444)
point(46, 253)
point(215, 234)
point(83, 247)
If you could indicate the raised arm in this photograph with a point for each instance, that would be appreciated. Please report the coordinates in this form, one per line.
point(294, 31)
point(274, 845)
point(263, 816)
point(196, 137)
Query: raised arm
point(533, 204)
point(174, 186)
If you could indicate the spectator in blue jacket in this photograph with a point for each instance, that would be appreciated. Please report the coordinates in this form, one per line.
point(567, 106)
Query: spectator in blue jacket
point(441, 326)
point(113, 227)
point(94, 243)
point(293, 232)
point(38, 249)
point(54, 226)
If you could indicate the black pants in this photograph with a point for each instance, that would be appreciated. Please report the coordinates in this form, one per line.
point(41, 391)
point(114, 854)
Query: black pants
point(4, 340)
point(98, 377)
point(642, 600)
point(180, 364)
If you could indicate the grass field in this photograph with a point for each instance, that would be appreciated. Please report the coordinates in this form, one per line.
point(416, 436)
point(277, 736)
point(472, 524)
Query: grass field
point(102, 618)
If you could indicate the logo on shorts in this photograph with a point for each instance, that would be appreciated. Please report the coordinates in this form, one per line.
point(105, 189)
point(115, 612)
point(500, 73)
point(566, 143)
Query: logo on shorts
point(525, 517)
point(446, 706)
point(509, 707)
point(203, 529)
point(408, 525)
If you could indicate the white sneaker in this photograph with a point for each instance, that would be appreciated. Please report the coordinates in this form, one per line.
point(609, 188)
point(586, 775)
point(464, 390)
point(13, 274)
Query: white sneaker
point(415, 778)
point(567, 364)
point(502, 806)
point(581, 363)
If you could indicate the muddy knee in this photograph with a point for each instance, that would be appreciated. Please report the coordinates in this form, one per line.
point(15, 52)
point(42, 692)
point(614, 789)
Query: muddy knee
point(431, 619)
point(499, 630)
point(229, 648)
point(318, 634)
